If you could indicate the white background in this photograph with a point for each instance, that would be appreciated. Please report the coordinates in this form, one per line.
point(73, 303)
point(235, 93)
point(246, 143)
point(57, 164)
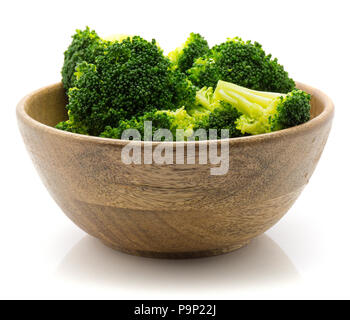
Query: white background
point(306, 255)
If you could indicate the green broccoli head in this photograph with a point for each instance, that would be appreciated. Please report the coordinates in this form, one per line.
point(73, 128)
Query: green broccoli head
point(242, 63)
point(86, 46)
point(158, 118)
point(130, 78)
point(161, 119)
point(184, 56)
point(292, 110)
point(223, 116)
point(263, 112)
point(72, 126)
point(210, 113)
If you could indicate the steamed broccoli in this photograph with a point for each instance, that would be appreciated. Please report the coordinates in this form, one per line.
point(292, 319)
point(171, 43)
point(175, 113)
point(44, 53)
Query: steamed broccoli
point(119, 83)
point(207, 113)
point(72, 126)
point(161, 119)
point(86, 46)
point(242, 63)
point(223, 116)
point(263, 112)
point(130, 78)
point(184, 56)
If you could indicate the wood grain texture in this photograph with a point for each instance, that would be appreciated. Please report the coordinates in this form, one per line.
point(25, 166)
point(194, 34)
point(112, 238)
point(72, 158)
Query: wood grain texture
point(171, 211)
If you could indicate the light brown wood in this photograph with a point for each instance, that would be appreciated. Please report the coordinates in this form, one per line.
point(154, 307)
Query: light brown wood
point(171, 211)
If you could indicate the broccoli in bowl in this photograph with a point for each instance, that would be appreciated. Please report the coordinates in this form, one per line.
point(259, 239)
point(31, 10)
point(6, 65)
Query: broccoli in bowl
point(121, 83)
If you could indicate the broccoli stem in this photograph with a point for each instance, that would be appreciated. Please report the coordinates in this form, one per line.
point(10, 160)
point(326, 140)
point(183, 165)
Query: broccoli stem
point(264, 111)
point(204, 97)
point(257, 107)
point(261, 98)
point(242, 104)
point(202, 100)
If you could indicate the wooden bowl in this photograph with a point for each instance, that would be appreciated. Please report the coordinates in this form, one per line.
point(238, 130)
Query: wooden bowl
point(171, 211)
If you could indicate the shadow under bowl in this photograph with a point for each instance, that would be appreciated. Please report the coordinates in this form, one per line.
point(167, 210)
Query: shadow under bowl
point(171, 210)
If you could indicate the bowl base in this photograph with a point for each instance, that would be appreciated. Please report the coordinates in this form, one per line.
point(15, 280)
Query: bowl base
point(176, 255)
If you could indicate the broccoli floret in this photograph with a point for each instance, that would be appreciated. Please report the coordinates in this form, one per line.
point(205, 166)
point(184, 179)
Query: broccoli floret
point(224, 116)
point(184, 56)
point(86, 46)
point(131, 78)
point(209, 113)
point(243, 63)
point(240, 110)
point(161, 119)
point(72, 126)
point(292, 110)
point(263, 112)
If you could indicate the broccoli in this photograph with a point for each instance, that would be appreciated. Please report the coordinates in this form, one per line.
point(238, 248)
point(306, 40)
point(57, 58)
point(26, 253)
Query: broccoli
point(137, 123)
point(206, 113)
point(121, 82)
point(184, 56)
point(223, 116)
point(263, 112)
point(130, 78)
point(72, 126)
point(161, 119)
point(86, 46)
point(243, 63)
point(240, 110)
point(209, 113)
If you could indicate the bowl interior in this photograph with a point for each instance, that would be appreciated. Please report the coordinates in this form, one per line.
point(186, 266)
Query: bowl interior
point(47, 106)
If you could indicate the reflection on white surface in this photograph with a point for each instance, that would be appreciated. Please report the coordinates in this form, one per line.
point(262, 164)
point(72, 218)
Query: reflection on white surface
point(260, 263)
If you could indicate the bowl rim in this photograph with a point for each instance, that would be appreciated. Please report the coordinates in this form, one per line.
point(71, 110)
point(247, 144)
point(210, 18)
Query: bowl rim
point(326, 115)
